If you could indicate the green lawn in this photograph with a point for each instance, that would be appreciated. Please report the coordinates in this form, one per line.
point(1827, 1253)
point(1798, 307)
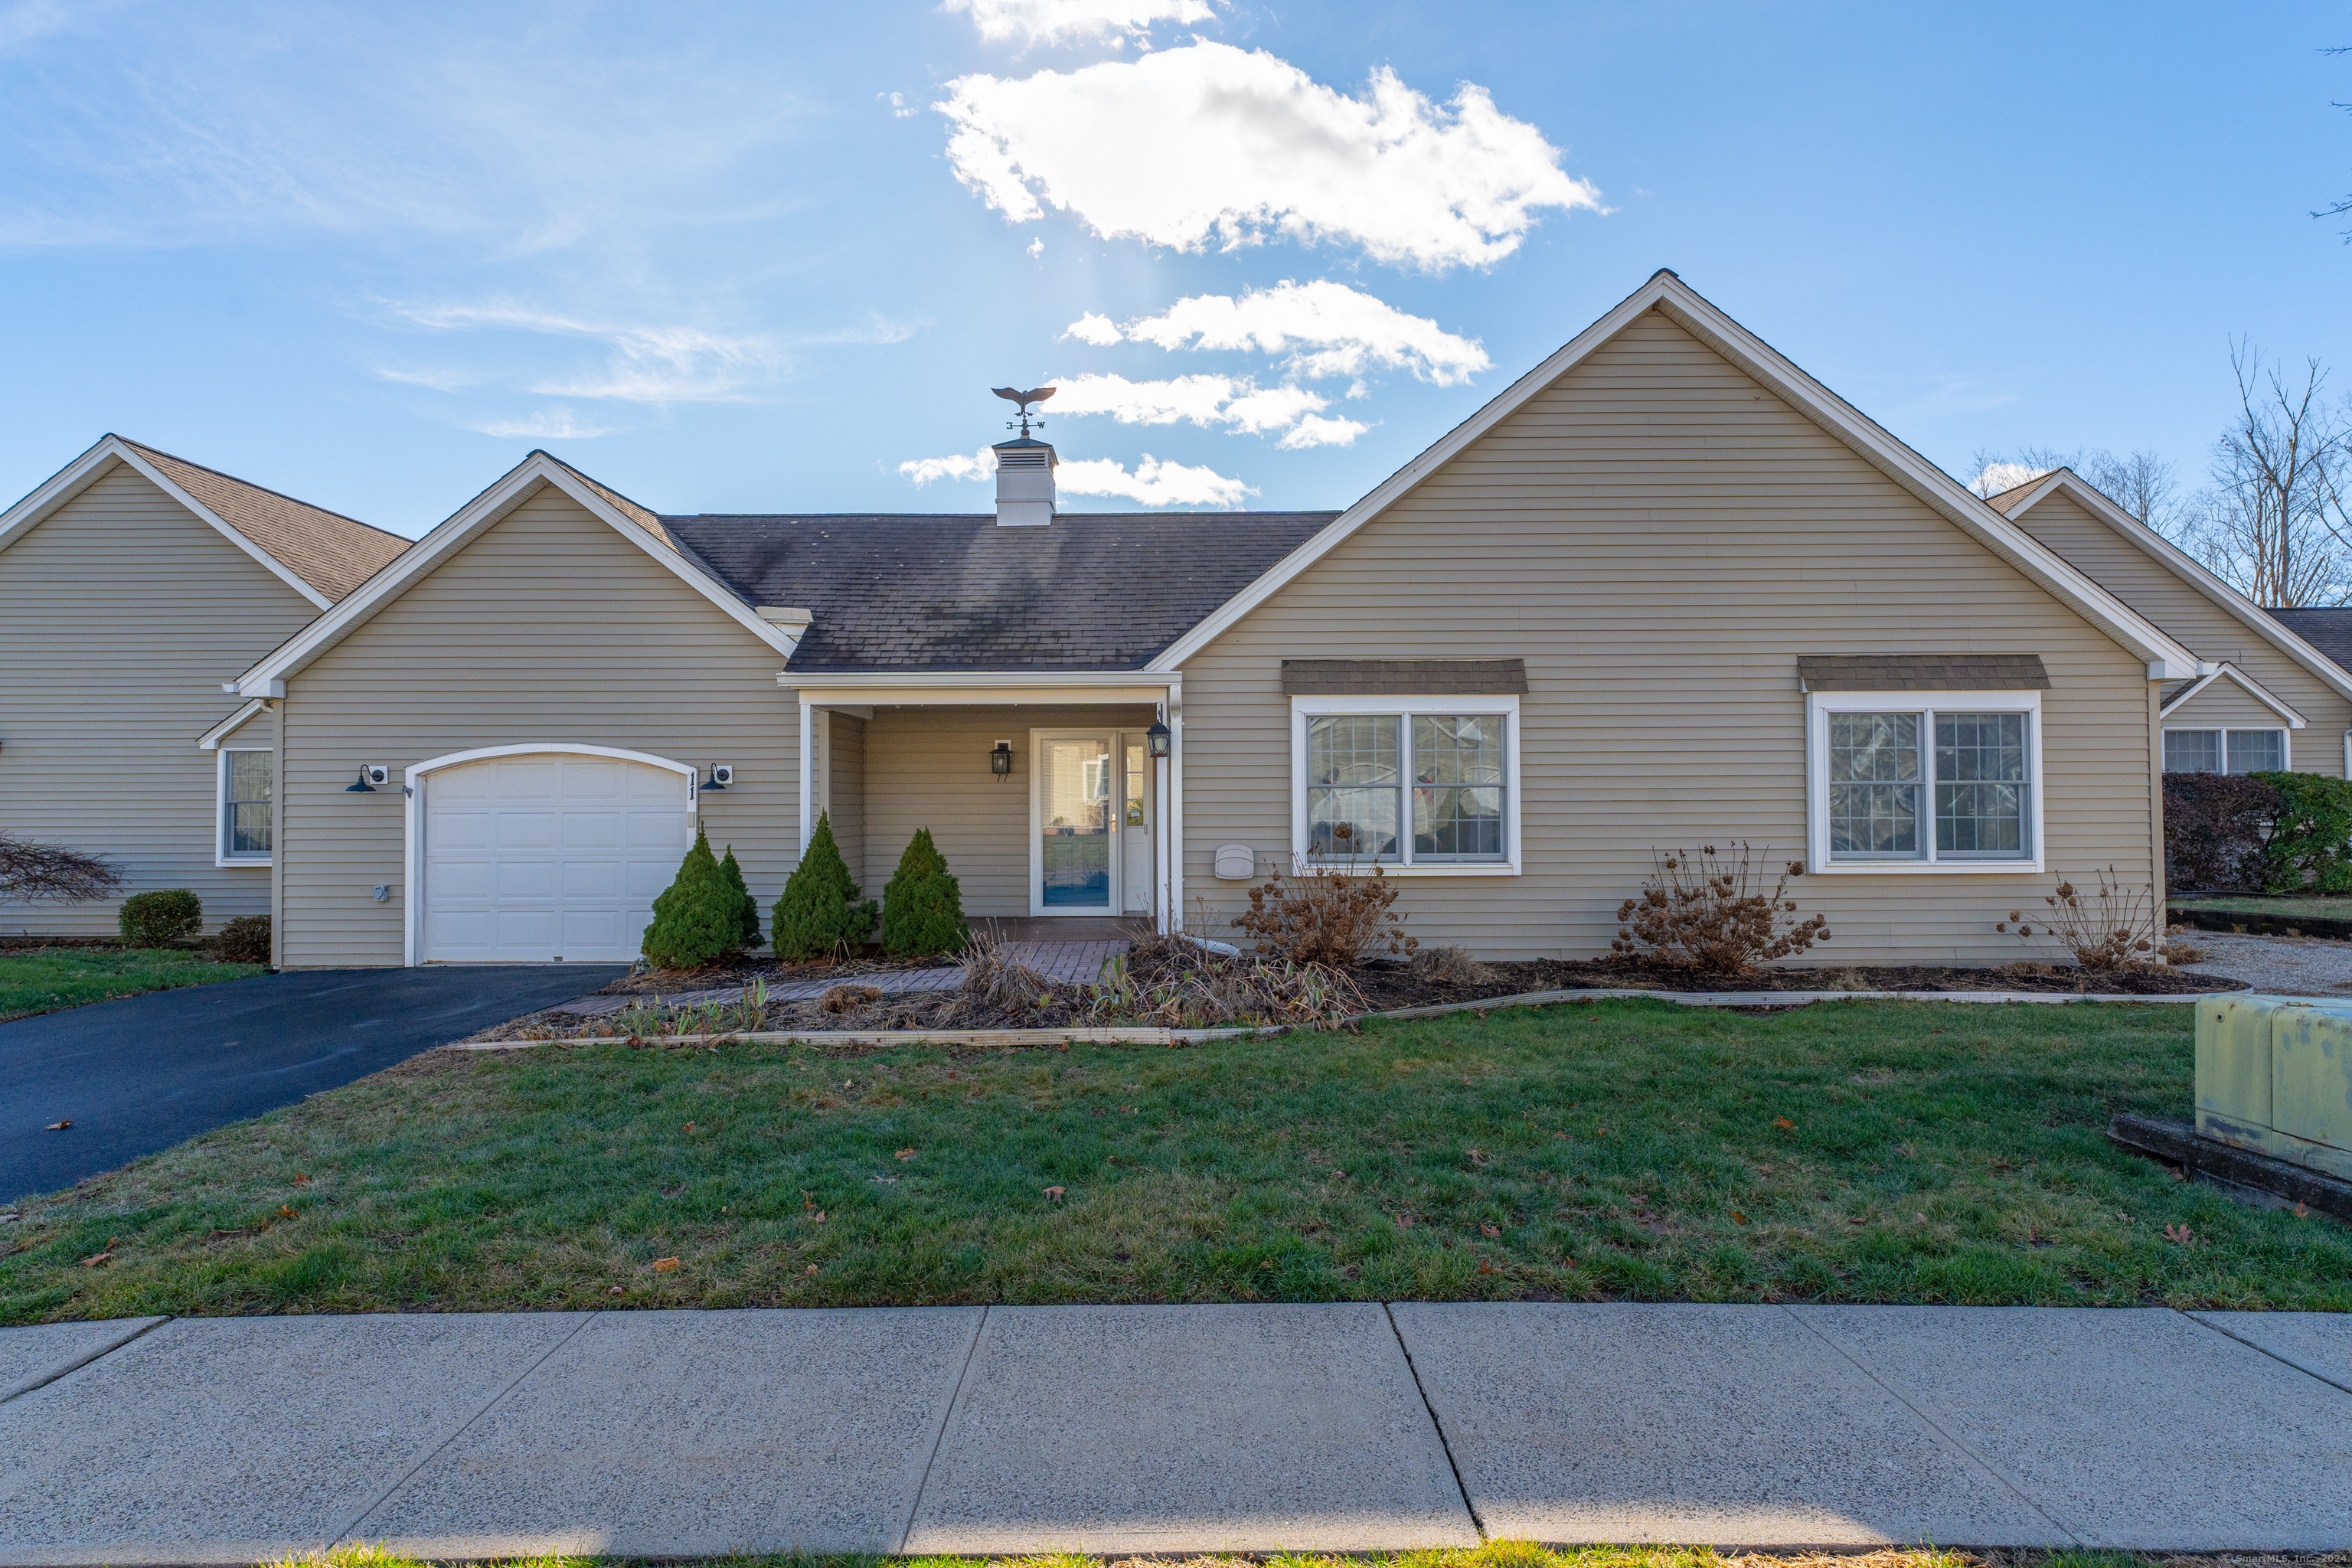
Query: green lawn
point(2318, 907)
point(1851, 1151)
point(44, 979)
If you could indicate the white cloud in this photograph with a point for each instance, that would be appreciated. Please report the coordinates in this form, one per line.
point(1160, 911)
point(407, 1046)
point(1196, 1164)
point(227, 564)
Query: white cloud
point(1325, 328)
point(437, 380)
point(960, 466)
point(647, 364)
point(1236, 403)
point(899, 108)
point(1999, 477)
point(1037, 248)
point(1211, 143)
point(1076, 21)
point(550, 425)
point(1315, 430)
point(1153, 483)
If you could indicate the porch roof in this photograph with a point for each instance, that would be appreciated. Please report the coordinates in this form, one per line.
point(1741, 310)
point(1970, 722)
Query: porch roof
point(1095, 591)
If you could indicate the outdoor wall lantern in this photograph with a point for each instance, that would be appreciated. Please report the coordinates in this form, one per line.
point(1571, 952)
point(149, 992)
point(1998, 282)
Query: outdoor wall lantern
point(1000, 760)
point(721, 775)
point(1157, 739)
point(371, 774)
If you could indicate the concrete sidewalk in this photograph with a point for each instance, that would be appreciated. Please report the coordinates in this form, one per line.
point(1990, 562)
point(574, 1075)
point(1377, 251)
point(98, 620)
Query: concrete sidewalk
point(1128, 1429)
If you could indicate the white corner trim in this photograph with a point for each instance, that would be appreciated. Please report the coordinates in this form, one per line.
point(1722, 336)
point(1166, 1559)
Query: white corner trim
point(221, 856)
point(1689, 309)
point(2170, 556)
point(2253, 688)
point(427, 553)
point(1304, 708)
point(1820, 704)
point(92, 466)
point(211, 739)
point(418, 778)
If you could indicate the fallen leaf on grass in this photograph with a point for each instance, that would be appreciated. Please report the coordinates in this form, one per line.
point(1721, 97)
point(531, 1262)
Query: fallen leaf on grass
point(1404, 1222)
point(906, 1154)
point(288, 1210)
point(810, 1269)
point(687, 1128)
point(1784, 1122)
point(619, 1291)
point(1056, 1193)
point(1480, 1157)
point(1739, 1218)
point(59, 1126)
point(2179, 1234)
point(1485, 1267)
point(2302, 1211)
point(301, 1180)
point(1490, 1232)
point(665, 1265)
point(94, 1261)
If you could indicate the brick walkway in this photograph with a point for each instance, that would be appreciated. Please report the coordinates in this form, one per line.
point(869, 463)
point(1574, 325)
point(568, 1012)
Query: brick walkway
point(1066, 963)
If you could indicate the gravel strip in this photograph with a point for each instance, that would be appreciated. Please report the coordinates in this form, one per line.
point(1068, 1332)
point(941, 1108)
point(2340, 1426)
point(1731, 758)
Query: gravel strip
point(2276, 965)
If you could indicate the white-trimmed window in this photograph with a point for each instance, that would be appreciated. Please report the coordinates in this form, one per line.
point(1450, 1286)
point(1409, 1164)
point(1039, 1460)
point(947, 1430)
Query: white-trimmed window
point(1426, 784)
point(247, 820)
point(2225, 751)
point(1912, 781)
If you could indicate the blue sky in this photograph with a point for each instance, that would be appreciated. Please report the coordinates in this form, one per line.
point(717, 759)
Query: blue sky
point(766, 257)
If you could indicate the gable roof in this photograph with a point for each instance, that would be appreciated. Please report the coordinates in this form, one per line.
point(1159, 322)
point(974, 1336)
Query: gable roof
point(956, 592)
point(2253, 688)
point(2167, 656)
point(321, 555)
point(2329, 630)
point(2265, 625)
point(267, 677)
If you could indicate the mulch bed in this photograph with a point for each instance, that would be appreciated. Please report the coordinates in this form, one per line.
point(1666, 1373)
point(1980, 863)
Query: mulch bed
point(1387, 984)
point(775, 971)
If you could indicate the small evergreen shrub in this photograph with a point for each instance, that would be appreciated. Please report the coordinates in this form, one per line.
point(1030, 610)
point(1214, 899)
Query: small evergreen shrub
point(922, 908)
point(245, 940)
point(160, 917)
point(699, 919)
point(819, 913)
point(2310, 844)
point(2215, 825)
point(747, 931)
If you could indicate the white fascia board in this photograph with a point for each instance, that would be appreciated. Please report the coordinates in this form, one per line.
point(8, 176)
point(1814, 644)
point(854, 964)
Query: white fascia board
point(2254, 689)
point(421, 558)
point(2182, 566)
point(86, 469)
point(981, 688)
point(1688, 309)
point(211, 739)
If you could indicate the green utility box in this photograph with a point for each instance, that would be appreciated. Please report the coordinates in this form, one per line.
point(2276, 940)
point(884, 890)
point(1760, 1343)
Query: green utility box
point(2275, 1074)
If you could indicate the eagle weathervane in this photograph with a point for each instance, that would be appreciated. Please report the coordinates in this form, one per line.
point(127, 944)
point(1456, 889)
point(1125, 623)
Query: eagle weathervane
point(1035, 395)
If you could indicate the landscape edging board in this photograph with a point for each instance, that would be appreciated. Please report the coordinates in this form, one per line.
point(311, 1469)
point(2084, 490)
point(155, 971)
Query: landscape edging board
point(2179, 1143)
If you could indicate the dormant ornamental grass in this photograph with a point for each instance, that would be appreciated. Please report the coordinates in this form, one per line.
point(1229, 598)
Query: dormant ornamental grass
point(1849, 1151)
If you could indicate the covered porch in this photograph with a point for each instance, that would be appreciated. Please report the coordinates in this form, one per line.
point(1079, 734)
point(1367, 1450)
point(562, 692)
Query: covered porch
point(1042, 790)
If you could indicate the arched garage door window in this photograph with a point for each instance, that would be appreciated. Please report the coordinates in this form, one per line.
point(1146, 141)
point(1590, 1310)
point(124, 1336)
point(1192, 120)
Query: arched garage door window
point(536, 854)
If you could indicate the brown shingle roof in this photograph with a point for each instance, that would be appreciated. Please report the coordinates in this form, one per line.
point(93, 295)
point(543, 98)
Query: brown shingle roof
point(332, 554)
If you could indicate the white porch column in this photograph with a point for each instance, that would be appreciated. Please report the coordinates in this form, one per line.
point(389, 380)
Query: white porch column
point(1160, 906)
point(808, 773)
point(1174, 809)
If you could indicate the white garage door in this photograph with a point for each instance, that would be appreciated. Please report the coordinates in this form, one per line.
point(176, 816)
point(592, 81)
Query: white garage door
point(532, 859)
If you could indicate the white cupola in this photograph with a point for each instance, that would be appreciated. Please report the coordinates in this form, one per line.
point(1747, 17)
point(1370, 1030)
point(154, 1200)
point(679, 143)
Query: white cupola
point(1024, 469)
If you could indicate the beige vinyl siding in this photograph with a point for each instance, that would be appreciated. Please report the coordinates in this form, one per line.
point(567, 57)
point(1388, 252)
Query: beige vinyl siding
point(121, 615)
point(2155, 590)
point(846, 786)
point(928, 767)
point(546, 628)
point(1659, 537)
point(2225, 702)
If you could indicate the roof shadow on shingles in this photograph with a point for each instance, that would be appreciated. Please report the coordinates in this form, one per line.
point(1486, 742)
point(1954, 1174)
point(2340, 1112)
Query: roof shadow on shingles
point(956, 590)
point(332, 552)
point(2329, 630)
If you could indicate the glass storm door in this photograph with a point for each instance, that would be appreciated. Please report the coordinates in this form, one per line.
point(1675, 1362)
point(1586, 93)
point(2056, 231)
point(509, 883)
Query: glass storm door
point(1074, 827)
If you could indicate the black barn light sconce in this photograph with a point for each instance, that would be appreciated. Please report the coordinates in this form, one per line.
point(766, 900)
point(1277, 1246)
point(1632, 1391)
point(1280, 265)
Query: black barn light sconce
point(371, 774)
point(1156, 738)
point(1000, 760)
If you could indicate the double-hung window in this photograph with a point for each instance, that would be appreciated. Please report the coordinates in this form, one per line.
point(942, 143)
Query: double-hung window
point(247, 807)
point(1425, 783)
point(2221, 750)
point(1911, 781)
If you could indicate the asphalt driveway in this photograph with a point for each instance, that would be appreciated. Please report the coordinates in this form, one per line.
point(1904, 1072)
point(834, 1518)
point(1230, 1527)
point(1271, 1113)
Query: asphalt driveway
point(143, 1073)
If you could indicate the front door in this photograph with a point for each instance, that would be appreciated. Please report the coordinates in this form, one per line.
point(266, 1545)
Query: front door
point(1075, 820)
point(1135, 825)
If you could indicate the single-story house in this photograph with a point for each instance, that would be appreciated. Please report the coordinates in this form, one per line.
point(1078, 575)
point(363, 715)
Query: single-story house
point(130, 583)
point(2269, 694)
point(1665, 590)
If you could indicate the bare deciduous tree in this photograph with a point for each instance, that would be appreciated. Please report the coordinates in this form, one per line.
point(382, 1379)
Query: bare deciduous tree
point(2272, 523)
point(31, 873)
point(2140, 482)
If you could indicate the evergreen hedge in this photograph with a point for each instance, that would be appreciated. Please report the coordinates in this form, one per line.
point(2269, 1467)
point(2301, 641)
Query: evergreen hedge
point(2309, 848)
point(699, 919)
point(922, 908)
point(819, 913)
point(748, 926)
point(159, 919)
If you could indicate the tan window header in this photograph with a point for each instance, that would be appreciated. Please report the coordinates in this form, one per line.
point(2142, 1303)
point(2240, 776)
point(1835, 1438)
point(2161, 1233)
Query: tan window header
point(1403, 677)
point(1921, 672)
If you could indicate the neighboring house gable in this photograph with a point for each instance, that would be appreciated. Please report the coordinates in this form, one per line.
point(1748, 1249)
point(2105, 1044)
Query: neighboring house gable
point(1660, 532)
point(2221, 625)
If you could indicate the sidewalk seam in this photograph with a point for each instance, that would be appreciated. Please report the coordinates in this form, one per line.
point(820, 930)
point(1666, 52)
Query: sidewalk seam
point(939, 1438)
point(98, 1355)
point(455, 1433)
point(2265, 1350)
point(1443, 1443)
point(1938, 1428)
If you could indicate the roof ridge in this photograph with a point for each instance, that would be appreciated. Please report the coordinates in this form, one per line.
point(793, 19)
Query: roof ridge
point(265, 489)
